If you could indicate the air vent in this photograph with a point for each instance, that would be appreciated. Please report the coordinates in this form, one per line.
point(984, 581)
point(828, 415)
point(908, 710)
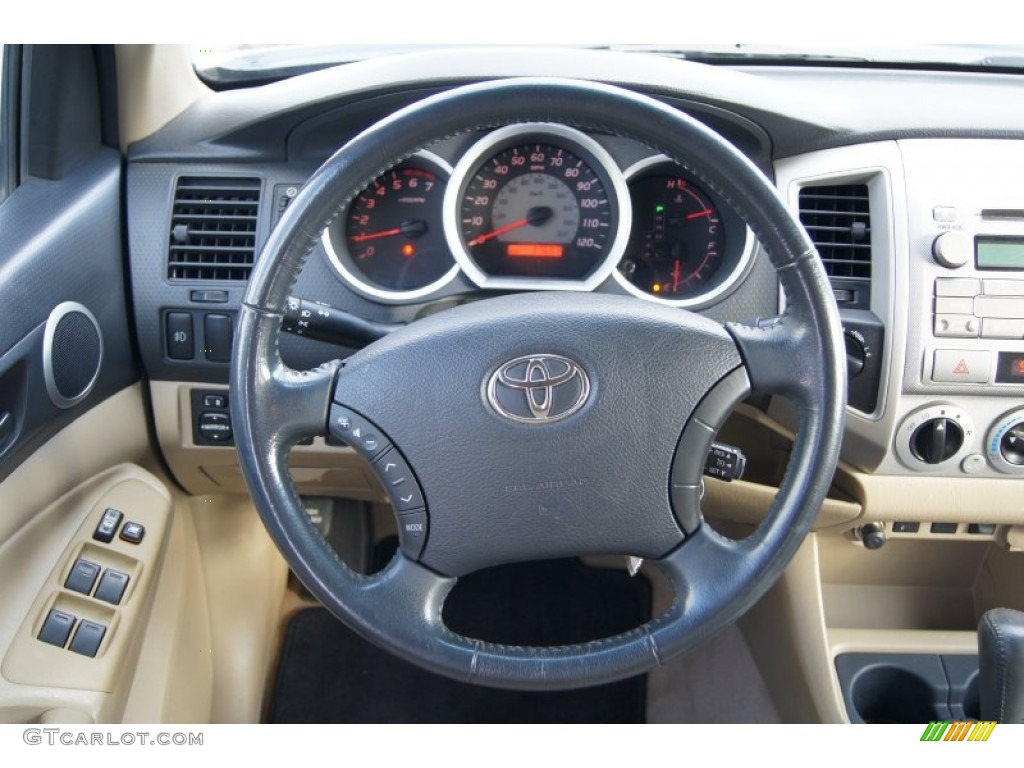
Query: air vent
point(213, 229)
point(838, 219)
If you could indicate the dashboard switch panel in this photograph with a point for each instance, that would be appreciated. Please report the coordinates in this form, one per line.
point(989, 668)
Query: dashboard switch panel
point(218, 332)
point(180, 336)
point(934, 436)
point(962, 366)
point(1004, 444)
point(211, 419)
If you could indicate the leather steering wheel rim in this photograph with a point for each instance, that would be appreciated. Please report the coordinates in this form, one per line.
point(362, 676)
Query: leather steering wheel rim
point(798, 355)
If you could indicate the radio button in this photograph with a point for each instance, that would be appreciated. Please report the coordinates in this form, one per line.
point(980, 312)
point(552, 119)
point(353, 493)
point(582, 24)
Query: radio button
point(999, 306)
point(944, 213)
point(952, 249)
point(1002, 328)
point(957, 286)
point(962, 366)
point(947, 305)
point(1004, 287)
point(957, 326)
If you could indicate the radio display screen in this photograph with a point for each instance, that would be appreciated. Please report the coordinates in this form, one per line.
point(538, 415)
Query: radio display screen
point(999, 252)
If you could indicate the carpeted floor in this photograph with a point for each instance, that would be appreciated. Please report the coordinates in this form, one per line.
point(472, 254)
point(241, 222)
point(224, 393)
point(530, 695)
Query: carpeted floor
point(327, 674)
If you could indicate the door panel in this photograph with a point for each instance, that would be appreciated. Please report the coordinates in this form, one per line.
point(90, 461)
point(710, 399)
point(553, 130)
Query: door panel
point(60, 242)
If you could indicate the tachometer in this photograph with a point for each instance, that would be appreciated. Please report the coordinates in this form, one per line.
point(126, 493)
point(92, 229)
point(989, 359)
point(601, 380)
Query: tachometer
point(537, 206)
point(390, 242)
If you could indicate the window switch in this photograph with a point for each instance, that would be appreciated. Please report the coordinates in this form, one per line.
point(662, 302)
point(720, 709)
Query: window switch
point(108, 526)
point(57, 628)
point(88, 638)
point(112, 587)
point(132, 533)
point(82, 577)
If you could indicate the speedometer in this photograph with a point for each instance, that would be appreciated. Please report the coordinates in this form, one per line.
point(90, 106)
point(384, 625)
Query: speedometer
point(537, 206)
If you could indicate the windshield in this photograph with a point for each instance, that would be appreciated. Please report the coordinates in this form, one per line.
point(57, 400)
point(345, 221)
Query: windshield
point(244, 64)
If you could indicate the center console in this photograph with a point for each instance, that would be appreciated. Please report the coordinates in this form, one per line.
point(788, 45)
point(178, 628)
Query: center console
point(878, 612)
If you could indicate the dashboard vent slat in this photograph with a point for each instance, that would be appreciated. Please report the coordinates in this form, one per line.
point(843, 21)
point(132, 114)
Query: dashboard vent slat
point(213, 229)
point(838, 220)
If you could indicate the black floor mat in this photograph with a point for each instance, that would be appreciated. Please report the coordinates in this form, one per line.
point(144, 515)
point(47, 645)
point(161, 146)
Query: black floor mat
point(327, 674)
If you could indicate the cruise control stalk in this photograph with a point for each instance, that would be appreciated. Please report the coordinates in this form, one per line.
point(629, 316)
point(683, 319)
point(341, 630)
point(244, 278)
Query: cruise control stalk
point(316, 320)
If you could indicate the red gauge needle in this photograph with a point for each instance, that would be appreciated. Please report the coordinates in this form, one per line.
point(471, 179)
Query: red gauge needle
point(499, 231)
point(676, 277)
point(698, 214)
point(536, 216)
point(375, 235)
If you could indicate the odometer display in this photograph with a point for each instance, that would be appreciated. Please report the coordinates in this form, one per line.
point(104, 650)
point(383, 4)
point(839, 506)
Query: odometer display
point(537, 208)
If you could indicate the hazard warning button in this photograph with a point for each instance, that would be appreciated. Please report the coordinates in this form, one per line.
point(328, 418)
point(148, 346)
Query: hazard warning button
point(963, 366)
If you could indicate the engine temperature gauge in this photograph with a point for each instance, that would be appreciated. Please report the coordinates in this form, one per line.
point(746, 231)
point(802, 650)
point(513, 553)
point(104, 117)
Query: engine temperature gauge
point(678, 238)
point(685, 248)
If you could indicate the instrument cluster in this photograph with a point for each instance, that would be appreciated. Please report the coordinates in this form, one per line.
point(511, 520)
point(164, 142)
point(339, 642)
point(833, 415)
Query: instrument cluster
point(539, 206)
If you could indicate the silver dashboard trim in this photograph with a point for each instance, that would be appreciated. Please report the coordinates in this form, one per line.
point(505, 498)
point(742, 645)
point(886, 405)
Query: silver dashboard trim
point(468, 163)
point(369, 290)
point(49, 378)
point(731, 282)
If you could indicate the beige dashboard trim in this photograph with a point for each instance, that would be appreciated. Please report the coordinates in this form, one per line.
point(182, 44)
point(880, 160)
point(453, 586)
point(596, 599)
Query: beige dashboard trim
point(155, 83)
point(316, 469)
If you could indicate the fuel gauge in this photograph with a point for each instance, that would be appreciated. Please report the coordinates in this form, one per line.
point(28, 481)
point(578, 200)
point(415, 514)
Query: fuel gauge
point(683, 247)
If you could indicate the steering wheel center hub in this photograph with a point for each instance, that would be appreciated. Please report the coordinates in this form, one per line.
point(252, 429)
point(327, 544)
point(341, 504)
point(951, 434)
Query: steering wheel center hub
point(522, 455)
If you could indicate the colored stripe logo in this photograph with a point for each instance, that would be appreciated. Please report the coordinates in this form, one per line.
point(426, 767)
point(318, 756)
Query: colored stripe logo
point(943, 730)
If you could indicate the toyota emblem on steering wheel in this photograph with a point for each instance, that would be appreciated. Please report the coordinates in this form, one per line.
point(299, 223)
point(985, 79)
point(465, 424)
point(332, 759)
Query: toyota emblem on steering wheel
point(538, 389)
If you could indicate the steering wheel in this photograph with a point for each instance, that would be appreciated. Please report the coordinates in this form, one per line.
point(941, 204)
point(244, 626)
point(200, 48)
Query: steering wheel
point(638, 391)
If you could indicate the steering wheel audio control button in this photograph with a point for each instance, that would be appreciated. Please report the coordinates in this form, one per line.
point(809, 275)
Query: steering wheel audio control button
point(355, 431)
point(399, 482)
point(412, 532)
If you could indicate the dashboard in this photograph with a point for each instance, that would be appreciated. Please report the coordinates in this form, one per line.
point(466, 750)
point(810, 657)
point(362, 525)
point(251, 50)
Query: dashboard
point(912, 208)
point(539, 206)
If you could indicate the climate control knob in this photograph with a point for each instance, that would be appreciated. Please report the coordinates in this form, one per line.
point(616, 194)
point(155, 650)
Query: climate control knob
point(1004, 444)
point(934, 437)
point(937, 440)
